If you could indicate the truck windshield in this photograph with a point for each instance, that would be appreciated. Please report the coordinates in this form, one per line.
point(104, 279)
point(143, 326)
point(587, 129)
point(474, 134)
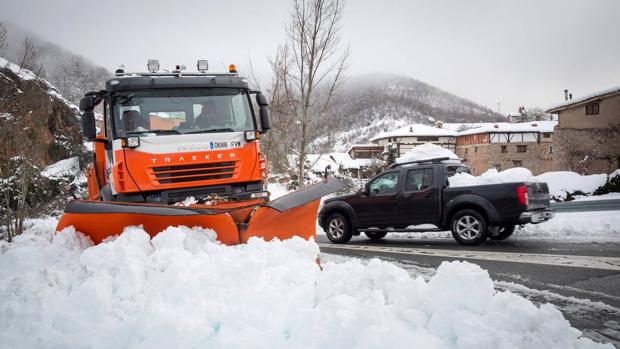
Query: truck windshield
point(165, 112)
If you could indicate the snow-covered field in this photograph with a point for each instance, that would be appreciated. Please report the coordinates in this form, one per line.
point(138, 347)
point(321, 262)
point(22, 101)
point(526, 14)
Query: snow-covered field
point(181, 289)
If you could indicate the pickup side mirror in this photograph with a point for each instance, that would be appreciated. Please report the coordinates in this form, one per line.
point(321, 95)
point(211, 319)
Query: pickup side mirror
point(263, 112)
point(89, 128)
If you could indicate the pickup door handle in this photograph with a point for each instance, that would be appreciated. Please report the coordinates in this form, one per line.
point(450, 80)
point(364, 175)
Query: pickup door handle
point(428, 196)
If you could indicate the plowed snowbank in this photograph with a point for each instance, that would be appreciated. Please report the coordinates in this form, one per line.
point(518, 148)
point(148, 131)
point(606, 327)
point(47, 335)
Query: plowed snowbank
point(181, 289)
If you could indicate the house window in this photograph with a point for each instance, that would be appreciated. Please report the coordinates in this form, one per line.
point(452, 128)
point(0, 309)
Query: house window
point(427, 139)
point(517, 163)
point(546, 134)
point(475, 149)
point(550, 149)
point(521, 148)
point(465, 150)
point(504, 149)
point(592, 108)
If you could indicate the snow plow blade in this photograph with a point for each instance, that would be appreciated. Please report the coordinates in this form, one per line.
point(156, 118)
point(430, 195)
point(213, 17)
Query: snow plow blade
point(291, 215)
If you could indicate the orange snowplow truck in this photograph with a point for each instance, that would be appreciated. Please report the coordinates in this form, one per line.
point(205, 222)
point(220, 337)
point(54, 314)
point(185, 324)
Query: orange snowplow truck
point(180, 148)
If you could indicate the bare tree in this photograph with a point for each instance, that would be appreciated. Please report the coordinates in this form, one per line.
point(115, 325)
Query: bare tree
point(3, 38)
point(17, 177)
point(308, 71)
point(29, 57)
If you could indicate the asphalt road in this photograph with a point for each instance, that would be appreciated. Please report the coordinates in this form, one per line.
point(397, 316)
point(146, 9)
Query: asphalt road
point(581, 279)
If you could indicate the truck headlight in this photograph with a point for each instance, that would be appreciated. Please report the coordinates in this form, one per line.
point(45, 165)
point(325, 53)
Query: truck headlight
point(251, 135)
point(131, 142)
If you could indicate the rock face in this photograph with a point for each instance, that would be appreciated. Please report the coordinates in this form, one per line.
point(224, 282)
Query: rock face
point(36, 122)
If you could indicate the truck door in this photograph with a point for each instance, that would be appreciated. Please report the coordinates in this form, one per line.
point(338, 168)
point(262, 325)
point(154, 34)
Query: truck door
point(379, 206)
point(420, 203)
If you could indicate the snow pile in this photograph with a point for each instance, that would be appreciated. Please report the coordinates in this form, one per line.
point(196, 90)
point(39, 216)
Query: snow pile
point(601, 226)
point(562, 182)
point(277, 189)
point(426, 151)
point(492, 176)
point(182, 290)
point(62, 169)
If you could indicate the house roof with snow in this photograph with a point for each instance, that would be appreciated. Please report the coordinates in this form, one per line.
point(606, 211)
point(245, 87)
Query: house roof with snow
point(530, 126)
point(319, 162)
point(367, 146)
point(612, 91)
point(415, 130)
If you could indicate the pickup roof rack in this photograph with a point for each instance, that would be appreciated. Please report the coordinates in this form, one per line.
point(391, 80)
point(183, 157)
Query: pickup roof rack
point(431, 161)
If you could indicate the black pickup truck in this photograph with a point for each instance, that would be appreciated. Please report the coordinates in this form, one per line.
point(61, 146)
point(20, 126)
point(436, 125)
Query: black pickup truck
point(418, 193)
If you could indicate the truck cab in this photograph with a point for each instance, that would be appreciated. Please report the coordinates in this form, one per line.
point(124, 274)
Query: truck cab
point(168, 136)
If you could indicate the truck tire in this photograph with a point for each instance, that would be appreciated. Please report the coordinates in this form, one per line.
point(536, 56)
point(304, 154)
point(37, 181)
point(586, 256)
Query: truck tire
point(503, 233)
point(375, 235)
point(338, 229)
point(469, 228)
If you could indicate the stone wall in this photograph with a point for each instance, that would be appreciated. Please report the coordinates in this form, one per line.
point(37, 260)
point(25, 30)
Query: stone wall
point(587, 150)
point(538, 157)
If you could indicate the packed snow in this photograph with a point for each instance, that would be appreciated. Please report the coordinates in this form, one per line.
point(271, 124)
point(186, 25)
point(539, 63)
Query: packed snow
point(61, 169)
point(427, 151)
point(562, 182)
point(492, 176)
point(181, 289)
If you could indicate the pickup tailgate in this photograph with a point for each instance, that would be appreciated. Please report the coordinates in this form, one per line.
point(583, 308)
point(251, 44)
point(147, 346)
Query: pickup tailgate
point(538, 196)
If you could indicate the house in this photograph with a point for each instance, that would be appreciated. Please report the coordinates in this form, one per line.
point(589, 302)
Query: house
point(408, 137)
point(505, 145)
point(340, 162)
point(587, 137)
point(365, 151)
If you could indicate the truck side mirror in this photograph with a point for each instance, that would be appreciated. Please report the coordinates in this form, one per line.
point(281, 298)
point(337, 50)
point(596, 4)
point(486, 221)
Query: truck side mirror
point(87, 103)
point(88, 125)
point(263, 112)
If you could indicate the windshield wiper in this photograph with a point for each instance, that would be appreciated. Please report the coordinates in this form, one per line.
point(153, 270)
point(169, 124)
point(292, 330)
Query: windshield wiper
point(177, 132)
point(211, 130)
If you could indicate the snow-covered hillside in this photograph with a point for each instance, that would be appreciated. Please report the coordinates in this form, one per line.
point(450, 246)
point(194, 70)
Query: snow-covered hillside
point(374, 103)
point(183, 290)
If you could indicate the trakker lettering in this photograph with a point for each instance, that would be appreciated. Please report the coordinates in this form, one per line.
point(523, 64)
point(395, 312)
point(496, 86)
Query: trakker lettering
point(169, 159)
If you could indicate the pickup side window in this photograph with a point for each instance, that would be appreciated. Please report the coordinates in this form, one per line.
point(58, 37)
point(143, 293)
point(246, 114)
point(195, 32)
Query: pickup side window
point(452, 170)
point(385, 184)
point(419, 179)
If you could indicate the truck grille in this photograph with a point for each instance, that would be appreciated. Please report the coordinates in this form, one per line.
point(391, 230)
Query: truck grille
point(193, 173)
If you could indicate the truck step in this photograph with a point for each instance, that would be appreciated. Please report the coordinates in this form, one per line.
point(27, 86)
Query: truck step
point(376, 230)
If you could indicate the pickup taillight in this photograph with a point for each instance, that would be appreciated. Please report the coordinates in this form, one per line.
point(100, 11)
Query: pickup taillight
point(522, 195)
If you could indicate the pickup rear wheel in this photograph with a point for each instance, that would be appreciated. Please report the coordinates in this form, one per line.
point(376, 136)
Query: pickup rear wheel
point(469, 228)
point(338, 229)
point(375, 235)
point(503, 232)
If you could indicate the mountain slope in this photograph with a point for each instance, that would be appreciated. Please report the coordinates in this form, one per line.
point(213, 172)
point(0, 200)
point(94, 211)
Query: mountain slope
point(373, 103)
point(71, 74)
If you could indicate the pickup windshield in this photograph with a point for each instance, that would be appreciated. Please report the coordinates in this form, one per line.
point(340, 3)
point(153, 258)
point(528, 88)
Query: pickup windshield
point(153, 113)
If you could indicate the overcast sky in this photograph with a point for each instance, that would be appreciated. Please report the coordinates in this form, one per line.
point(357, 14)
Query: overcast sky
point(521, 52)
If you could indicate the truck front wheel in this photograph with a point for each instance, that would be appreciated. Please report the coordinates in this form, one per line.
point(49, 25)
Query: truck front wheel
point(338, 229)
point(469, 228)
